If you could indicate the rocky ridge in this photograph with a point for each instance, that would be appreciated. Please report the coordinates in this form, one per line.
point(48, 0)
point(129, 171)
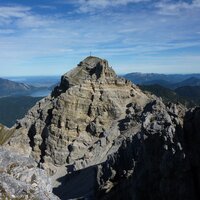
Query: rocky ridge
point(100, 137)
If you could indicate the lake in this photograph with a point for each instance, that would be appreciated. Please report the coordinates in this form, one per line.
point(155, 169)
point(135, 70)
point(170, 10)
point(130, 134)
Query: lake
point(41, 93)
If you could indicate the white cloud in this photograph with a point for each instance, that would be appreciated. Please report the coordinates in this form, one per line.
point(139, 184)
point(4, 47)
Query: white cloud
point(122, 34)
point(22, 17)
point(34, 21)
point(49, 37)
point(13, 11)
point(174, 8)
point(93, 5)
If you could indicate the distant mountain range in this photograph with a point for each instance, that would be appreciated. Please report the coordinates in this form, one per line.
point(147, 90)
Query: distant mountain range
point(15, 107)
point(189, 97)
point(171, 81)
point(12, 88)
point(193, 81)
point(191, 93)
point(183, 88)
point(166, 94)
point(37, 81)
point(8, 87)
point(16, 100)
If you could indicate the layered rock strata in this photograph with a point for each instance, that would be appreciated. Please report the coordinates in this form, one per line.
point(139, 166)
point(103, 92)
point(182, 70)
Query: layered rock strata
point(77, 124)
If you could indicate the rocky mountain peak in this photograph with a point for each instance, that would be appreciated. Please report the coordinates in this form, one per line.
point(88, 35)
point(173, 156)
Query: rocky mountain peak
point(91, 69)
point(94, 68)
point(87, 105)
point(99, 135)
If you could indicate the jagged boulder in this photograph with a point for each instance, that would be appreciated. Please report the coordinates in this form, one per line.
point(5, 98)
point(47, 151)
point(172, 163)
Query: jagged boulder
point(21, 179)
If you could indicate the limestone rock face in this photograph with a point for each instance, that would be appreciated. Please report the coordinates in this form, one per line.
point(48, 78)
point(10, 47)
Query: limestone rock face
point(77, 124)
point(21, 179)
point(100, 137)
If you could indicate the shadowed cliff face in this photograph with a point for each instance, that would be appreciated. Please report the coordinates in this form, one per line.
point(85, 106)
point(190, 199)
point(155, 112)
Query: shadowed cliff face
point(101, 137)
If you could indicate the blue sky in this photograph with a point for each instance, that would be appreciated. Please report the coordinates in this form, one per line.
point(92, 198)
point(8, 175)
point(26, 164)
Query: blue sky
point(49, 37)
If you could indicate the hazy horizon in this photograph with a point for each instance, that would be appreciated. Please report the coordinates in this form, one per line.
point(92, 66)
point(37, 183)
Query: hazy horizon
point(51, 37)
point(57, 75)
